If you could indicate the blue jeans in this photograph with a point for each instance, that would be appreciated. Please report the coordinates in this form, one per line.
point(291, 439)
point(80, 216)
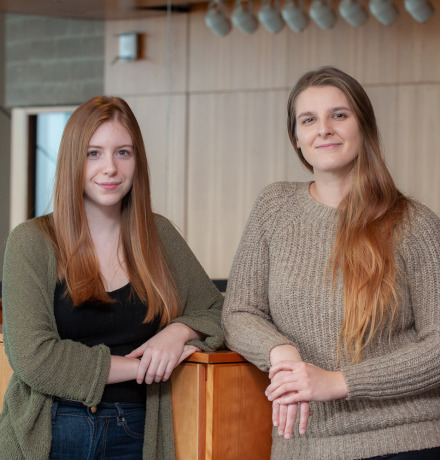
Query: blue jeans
point(105, 432)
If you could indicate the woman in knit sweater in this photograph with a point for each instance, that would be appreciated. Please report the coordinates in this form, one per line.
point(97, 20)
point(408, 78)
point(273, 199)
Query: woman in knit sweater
point(335, 290)
point(102, 300)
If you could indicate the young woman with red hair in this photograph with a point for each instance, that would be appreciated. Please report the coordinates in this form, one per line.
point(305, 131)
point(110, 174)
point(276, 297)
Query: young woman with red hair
point(102, 300)
point(335, 290)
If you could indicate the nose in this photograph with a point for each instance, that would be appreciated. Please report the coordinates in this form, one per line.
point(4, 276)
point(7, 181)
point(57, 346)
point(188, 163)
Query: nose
point(324, 128)
point(109, 165)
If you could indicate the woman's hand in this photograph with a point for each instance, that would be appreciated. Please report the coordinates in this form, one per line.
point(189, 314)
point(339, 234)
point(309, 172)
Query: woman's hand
point(188, 350)
point(284, 415)
point(304, 382)
point(163, 352)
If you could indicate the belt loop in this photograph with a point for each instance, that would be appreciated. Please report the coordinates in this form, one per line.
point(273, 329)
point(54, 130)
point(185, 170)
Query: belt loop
point(54, 410)
point(120, 413)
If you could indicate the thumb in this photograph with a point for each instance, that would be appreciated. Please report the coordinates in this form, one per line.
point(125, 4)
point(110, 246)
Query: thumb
point(137, 352)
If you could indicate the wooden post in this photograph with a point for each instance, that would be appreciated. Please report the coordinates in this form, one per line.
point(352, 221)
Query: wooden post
point(5, 371)
point(219, 408)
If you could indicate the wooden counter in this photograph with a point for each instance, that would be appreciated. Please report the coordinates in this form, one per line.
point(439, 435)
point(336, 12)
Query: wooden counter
point(5, 371)
point(219, 407)
point(220, 410)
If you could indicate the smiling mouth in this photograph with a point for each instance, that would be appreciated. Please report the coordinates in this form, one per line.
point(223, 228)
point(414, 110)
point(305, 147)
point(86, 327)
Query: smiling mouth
point(328, 146)
point(109, 185)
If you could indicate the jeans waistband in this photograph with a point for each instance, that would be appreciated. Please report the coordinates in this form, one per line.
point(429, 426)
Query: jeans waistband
point(102, 409)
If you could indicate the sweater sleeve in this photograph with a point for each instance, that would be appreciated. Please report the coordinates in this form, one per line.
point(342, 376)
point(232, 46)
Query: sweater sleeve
point(201, 300)
point(37, 355)
point(413, 367)
point(246, 318)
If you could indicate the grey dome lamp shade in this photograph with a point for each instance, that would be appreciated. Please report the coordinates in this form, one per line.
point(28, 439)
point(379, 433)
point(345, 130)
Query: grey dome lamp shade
point(322, 14)
point(384, 11)
point(294, 15)
point(420, 10)
point(243, 17)
point(216, 19)
point(270, 16)
point(352, 12)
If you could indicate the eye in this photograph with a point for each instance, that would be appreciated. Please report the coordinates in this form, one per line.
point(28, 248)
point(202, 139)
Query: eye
point(93, 154)
point(339, 115)
point(124, 153)
point(307, 121)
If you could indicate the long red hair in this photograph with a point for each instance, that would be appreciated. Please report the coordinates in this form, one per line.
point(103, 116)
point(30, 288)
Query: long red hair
point(68, 230)
point(369, 221)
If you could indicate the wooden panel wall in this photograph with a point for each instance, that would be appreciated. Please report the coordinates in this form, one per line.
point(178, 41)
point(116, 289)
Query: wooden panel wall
point(155, 88)
point(215, 108)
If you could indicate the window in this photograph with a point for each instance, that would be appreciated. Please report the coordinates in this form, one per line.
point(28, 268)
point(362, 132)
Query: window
point(49, 129)
point(35, 140)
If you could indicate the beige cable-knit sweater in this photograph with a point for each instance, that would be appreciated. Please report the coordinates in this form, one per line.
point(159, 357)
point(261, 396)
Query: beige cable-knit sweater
point(278, 293)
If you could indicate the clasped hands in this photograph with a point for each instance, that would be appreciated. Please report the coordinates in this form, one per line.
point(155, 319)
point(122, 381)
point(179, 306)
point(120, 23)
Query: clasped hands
point(293, 385)
point(163, 352)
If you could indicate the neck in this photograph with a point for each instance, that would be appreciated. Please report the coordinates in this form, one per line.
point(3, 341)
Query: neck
point(330, 191)
point(103, 220)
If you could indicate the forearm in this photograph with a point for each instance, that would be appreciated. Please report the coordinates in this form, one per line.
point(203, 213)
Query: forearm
point(253, 336)
point(122, 369)
point(412, 369)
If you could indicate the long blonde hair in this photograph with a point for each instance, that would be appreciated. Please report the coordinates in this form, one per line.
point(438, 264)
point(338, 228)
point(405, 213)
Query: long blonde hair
point(68, 230)
point(369, 221)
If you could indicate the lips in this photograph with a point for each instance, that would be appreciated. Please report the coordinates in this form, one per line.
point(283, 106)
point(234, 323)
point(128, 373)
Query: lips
point(328, 146)
point(109, 185)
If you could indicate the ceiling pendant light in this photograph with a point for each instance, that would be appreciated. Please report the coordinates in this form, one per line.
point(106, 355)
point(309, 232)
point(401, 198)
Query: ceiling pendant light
point(216, 19)
point(352, 12)
point(270, 17)
point(294, 15)
point(243, 17)
point(384, 11)
point(420, 10)
point(322, 14)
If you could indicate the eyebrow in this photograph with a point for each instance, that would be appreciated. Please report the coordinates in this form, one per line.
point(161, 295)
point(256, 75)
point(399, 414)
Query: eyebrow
point(333, 109)
point(118, 147)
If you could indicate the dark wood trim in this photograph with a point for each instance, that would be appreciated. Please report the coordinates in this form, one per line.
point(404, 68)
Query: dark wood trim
point(32, 162)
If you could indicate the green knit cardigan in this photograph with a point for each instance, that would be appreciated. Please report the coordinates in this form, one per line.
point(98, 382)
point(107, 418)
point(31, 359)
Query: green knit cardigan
point(46, 367)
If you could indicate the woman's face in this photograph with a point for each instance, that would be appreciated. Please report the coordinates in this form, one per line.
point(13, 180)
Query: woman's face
point(327, 131)
point(109, 168)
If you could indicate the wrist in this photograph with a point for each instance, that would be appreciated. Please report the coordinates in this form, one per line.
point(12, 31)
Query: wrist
point(184, 332)
point(122, 369)
point(285, 352)
point(341, 385)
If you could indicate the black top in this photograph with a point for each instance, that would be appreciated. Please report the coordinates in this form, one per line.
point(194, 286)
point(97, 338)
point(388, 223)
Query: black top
point(117, 325)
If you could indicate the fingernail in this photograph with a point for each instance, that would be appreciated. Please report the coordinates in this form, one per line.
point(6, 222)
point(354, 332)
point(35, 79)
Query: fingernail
point(302, 431)
point(287, 436)
point(275, 423)
point(280, 432)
